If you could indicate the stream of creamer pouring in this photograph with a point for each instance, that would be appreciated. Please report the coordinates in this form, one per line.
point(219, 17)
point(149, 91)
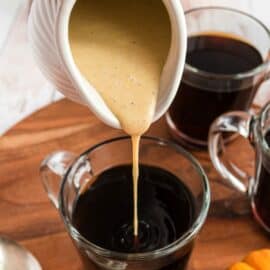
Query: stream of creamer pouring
point(120, 47)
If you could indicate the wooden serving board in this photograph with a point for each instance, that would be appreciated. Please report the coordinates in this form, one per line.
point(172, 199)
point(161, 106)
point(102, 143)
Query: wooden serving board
point(26, 215)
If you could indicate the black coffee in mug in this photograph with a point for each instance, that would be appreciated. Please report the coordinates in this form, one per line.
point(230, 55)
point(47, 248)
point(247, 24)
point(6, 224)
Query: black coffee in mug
point(103, 212)
point(210, 85)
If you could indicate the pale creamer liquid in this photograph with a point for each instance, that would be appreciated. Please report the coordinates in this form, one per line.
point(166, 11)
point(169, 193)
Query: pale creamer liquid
point(120, 47)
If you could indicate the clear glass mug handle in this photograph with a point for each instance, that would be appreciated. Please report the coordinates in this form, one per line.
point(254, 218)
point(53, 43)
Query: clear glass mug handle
point(52, 170)
point(233, 122)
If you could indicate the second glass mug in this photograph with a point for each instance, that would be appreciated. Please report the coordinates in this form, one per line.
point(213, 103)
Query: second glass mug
point(204, 95)
point(257, 130)
point(64, 176)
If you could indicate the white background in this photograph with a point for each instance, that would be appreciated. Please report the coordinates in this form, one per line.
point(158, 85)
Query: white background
point(8, 11)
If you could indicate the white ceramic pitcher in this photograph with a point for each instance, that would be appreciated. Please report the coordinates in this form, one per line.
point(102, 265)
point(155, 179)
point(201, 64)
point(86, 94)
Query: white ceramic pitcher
point(48, 35)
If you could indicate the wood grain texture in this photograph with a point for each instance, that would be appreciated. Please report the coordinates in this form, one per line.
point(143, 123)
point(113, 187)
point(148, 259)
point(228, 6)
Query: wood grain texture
point(27, 215)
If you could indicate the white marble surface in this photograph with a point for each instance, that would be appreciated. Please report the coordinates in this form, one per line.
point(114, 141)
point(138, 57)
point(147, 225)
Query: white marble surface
point(8, 11)
point(22, 87)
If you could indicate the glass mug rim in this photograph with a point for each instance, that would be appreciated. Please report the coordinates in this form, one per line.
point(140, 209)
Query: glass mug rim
point(180, 242)
point(238, 76)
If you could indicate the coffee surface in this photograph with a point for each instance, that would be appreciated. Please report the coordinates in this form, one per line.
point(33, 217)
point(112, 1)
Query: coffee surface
point(103, 212)
point(222, 54)
point(120, 47)
point(197, 105)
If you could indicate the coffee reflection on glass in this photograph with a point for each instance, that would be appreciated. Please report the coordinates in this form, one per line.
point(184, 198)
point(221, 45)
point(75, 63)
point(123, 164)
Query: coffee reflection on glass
point(225, 65)
point(95, 203)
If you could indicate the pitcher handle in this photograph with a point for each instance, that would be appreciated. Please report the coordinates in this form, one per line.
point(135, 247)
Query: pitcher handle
point(52, 170)
point(233, 122)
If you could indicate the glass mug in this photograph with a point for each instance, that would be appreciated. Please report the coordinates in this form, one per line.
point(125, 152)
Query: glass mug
point(64, 175)
point(256, 130)
point(204, 95)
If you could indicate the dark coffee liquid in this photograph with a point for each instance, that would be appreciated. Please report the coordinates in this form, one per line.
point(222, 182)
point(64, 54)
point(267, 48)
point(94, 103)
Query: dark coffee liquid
point(196, 105)
point(103, 214)
point(262, 186)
